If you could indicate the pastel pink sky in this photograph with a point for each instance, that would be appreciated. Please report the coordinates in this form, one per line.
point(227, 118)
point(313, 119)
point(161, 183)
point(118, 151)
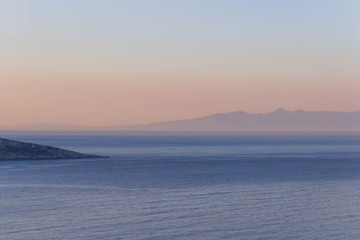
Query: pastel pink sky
point(101, 63)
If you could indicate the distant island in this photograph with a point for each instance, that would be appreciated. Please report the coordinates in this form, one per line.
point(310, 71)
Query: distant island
point(14, 150)
point(278, 120)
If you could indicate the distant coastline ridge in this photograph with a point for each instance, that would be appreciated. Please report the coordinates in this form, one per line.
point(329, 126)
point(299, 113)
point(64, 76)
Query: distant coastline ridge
point(278, 120)
point(15, 150)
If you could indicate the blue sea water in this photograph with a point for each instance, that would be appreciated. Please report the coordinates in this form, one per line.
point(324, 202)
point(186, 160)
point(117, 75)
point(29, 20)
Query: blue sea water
point(206, 186)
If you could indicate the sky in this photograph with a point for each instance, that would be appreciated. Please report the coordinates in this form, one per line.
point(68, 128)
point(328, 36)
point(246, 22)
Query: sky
point(120, 62)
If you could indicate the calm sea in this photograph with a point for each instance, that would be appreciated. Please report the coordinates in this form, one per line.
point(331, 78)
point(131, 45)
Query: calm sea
point(250, 186)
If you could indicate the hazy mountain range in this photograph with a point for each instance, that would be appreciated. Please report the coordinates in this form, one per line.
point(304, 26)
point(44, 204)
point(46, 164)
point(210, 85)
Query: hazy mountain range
point(278, 120)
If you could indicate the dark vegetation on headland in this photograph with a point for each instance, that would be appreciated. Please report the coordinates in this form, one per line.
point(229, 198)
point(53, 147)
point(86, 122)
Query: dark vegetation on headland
point(14, 150)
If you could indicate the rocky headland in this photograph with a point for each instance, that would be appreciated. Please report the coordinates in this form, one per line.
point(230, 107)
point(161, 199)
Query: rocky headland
point(15, 150)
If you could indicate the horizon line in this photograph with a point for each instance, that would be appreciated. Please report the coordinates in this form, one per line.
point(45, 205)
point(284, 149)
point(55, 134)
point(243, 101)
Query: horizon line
point(100, 127)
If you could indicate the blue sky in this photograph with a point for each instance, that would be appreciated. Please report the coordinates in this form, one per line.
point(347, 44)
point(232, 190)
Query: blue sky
point(229, 52)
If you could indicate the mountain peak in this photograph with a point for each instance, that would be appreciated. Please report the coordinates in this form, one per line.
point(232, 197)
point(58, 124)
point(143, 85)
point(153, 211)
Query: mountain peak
point(280, 110)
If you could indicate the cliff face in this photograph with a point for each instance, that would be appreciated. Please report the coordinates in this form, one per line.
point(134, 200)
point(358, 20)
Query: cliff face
point(11, 150)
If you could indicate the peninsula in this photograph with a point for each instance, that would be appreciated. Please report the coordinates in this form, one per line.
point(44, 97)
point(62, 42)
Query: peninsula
point(15, 150)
